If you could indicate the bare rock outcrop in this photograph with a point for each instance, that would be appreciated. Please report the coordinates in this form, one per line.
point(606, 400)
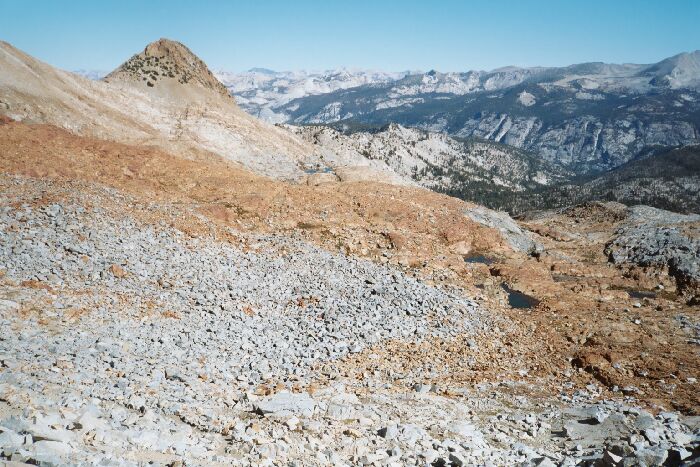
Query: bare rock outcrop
point(169, 67)
point(658, 238)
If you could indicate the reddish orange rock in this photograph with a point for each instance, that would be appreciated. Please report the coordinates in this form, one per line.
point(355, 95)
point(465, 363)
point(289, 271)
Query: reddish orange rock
point(118, 271)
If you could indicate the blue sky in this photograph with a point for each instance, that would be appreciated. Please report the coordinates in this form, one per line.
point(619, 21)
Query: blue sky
point(448, 35)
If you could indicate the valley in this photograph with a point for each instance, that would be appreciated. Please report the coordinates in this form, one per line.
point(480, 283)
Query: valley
point(565, 126)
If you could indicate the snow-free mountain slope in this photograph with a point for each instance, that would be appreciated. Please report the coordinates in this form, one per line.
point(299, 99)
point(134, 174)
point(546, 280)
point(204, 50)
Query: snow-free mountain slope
point(550, 123)
point(580, 130)
point(286, 316)
point(196, 117)
point(162, 304)
point(476, 170)
point(166, 96)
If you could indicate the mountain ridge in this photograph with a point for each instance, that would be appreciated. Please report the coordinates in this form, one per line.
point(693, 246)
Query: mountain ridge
point(181, 117)
point(190, 112)
point(495, 78)
point(572, 118)
point(473, 169)
point(583, 122)
point(175, 296)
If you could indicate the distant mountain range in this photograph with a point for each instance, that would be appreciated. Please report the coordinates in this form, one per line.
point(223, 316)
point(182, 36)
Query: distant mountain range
point(261, 91)
point(586, 118)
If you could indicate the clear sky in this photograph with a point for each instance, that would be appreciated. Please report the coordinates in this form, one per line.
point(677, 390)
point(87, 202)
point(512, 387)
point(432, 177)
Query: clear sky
point(448, 35)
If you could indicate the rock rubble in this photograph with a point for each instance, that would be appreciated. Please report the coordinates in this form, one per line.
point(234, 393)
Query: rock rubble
point(126, 342)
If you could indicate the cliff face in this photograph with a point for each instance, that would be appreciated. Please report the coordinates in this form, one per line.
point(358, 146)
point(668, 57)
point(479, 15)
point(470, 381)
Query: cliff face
point(580, 130)
point(475, 169)
point(591, 136)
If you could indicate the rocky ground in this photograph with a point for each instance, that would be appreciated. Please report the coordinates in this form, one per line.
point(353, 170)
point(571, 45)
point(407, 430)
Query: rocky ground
point(159, 309)
point(631, 324)
point(656, 238)
point(133, 342)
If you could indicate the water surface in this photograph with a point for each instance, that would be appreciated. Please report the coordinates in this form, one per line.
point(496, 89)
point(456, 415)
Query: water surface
point(323, 170)
point(478, 258)
point(518, 299)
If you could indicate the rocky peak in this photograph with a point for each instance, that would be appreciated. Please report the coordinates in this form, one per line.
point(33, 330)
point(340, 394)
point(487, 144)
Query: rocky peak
point(679, 71)
point(167, 63)
point(397, 130)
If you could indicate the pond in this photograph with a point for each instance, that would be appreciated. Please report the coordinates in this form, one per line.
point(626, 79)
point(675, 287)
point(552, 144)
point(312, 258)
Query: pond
point(641, 294)
point(320, 170)
point(518, 299)
point(478, 258)
point(565, 278)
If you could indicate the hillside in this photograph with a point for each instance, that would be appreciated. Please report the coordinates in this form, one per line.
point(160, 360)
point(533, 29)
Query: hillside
point(182, 284)
point(169, 68)
point(505, 178)
point(668, 180)
point(566, 127)
point(198, 280)
point(476, 170)
point(189, 112)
